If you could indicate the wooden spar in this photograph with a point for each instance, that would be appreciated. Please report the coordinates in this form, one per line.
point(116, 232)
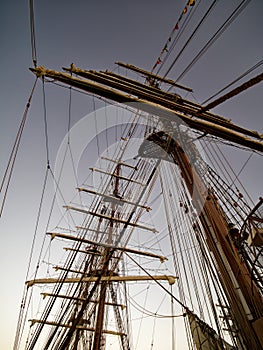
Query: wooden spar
point(120, 163)
point(80, 299)
point(115, 175)
point(126, 85)
point(169, 278)
point(119, 201)
point(88, 251)
point(84, 328)
point(123, 249)
point(241, 136)
point(110, 218)
point(112, 78)
point(158, 96)
point(154, 76)
point(89, 229)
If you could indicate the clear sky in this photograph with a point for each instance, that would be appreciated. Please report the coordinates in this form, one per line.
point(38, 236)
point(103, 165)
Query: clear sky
point(93, 35)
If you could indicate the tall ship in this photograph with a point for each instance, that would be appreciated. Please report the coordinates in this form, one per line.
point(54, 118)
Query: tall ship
point(160, 246)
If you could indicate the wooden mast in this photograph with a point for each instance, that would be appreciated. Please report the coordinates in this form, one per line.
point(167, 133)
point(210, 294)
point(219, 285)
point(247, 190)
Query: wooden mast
point(104, 284)
point(245, 301)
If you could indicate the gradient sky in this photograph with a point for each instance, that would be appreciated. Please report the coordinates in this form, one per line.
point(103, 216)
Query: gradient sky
point(93, 35)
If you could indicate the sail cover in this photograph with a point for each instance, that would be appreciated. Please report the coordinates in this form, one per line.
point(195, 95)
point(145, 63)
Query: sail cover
point(205, 337)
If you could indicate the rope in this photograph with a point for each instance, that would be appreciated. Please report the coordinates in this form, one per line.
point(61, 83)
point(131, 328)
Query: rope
point(215, 37)
point(236, 80)
point(32, 32)
point(242, 168)
point(234, 92)
point(166, 290)
point(191, 36)
point(22, 316)
point(45, 121)
point(13, 155)
point(179, 33)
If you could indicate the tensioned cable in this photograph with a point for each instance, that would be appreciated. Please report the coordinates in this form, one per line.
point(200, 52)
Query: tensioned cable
point(235, 81)
point(232, 170)
point(216, 36)
point(166, 290)
point(242, 168)
point(248, 84)
point(188, 260)
point(56, 181)
point(45, 121)
point(32, 32)
point(191, 36)
point(179, 34)
point(21, 321)
point(141, 318)
point(13, 155)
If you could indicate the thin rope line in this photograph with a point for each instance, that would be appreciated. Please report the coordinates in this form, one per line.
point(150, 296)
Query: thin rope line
point(32, 32)
point(69, 113)
point(45, 121)
point(235, 81)
point(191, 37)
point(215, 37)
point(166, 290)
point(240, 171)
point(14, 152)
point(21, 322)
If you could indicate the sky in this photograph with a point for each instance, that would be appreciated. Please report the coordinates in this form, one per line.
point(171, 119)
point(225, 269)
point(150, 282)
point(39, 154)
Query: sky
point(93, 35)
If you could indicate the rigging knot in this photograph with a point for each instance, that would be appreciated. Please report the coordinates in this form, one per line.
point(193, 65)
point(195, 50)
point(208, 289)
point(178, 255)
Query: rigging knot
point(39, 71)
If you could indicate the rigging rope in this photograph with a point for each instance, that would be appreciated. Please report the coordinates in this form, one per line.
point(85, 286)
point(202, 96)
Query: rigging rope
point(233, 92)
point(32, 32)
point(191, 36)
point(178, 36)
point(242, 168)
point(45, 122)
point(23, 313)
point(175, 29)
point(216, 36)
point(156, 281)
point(11, 162)
point(235, 81)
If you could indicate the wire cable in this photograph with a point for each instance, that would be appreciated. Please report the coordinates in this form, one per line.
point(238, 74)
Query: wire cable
point(257, 65)
point(191, 36)
point(45, 121)
point(216, 36)
point(248, 84)
point(32, 32)
point(11, 162)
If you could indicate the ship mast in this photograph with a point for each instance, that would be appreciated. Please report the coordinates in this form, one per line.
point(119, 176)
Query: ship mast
point(100, 275)
point(242, 293)
point(103, 286)
point(244, 297)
